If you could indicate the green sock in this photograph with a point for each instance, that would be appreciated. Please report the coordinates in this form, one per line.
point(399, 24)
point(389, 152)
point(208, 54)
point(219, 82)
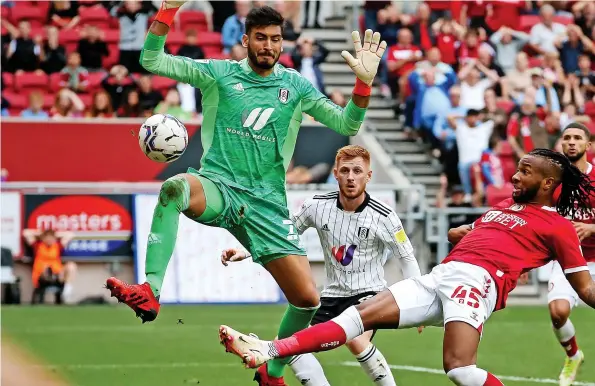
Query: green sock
point(294, 320)
point(174, 198)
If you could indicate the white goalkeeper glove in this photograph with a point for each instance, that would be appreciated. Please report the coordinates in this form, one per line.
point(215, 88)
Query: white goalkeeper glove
point(367, 57)
point(169, 4)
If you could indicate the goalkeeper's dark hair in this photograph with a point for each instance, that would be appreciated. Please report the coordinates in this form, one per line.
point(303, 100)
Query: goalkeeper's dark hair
point(576, 186)
point(263, 17)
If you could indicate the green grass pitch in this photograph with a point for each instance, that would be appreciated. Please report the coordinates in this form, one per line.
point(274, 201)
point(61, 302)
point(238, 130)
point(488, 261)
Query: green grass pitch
point(107, 345)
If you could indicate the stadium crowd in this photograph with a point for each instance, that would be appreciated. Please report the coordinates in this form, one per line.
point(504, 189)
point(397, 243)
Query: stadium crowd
point(81, 58)
point(484, 82)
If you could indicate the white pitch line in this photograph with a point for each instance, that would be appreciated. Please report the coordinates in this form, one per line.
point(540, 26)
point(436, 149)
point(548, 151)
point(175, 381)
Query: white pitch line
point(501, 377)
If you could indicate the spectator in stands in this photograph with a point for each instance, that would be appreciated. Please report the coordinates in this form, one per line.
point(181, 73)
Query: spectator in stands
point(508, 43)
point(572, 46)
point(67, 105)
point(53, 55)
point(172, 105)
point(304, 175)
point(401, 59)
point(234, 28)
point(545, 33)
point(116, 83)
point(469, 47)
point(338, 98)
point(149, 98)
point(190, 49)
point(518, 79)
point(75, 77)
point(131, 107)
point(238, 52)
point(63, 14)
point(291, 32)
point(371, 10)
point(48, 268)
point(584, 16)
point(546, 95)
point(23, 52)
point(448, 35)
point(491, 166)
point(434, 61)
point(492, 112)
point(315, 15)
point(307, 57)
point(570, 114)
point(456, 199)
point(101, 106)
point(572, 94)
point(586, 76)
point(473, 137)
point(133, 17)
point(472, 86)
point(390, 22)
point(422, 28)
point(196, 5)
point(525, 131)
point(449, 154)
point(552, 69)
point(35, 110)
point(92, 48)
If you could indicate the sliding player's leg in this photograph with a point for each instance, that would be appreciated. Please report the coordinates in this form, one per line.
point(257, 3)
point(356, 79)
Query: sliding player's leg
point(408, 303)
point(561, 299)
point(199, 199)
point(371, 359)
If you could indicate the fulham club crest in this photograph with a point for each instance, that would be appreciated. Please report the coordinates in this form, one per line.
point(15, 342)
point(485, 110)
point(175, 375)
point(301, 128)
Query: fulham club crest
point(362, 233)
point(283, 95)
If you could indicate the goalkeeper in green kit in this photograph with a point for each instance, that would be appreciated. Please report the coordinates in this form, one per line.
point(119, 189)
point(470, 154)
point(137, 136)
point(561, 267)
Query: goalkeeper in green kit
point(252, 114)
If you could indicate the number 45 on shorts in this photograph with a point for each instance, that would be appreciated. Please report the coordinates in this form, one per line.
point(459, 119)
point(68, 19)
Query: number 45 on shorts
point(467, 295)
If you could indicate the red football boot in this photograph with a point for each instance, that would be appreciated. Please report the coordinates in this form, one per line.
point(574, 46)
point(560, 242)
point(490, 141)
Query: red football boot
point(139, 297)
point(264, 379)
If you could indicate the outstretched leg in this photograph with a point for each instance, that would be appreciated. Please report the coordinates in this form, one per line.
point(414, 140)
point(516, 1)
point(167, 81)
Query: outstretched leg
point(183, 193)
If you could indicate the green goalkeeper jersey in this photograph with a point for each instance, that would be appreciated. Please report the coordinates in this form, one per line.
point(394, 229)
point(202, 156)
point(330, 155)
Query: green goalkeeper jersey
point(251, 122)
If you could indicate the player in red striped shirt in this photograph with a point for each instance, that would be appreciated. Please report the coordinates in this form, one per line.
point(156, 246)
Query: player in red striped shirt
point(517, 235)
point(561, 296)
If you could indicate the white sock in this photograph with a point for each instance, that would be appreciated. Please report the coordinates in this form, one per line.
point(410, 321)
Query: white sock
point(67, 293)
point(468, 376)
point(351, 322)
point(308, 370)
point(566, 332)
point(375, 365)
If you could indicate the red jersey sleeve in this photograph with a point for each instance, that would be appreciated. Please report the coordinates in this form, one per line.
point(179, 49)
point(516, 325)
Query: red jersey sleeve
point(390, 56)
point(513, 127)
point(566, 247)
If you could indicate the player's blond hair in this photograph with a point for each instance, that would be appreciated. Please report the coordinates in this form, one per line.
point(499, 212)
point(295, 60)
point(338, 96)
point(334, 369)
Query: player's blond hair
point(350, 152)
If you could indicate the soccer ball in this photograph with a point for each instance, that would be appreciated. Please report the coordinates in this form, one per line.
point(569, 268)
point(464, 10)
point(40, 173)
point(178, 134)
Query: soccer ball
point(163, 138)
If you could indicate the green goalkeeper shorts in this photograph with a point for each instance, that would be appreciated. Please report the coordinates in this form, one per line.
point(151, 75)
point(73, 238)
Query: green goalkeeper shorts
point(259, 220)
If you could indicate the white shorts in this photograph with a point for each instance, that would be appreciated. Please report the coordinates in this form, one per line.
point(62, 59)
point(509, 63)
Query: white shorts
point(454, 291)
point(560, 289)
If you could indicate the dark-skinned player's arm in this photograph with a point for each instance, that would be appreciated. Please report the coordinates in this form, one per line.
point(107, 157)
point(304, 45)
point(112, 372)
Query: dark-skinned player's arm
point(348, 120)
point(456, 234)
point(200, 74)
point(566, 247)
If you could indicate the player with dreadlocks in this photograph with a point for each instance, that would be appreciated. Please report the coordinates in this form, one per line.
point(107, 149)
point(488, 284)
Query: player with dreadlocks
point(517, 235)
point(561, 297)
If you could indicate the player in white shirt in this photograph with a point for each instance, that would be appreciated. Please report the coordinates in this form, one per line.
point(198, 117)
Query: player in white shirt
point(357, 233)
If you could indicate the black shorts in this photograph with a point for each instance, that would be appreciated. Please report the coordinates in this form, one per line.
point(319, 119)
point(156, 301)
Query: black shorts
point(333, 307)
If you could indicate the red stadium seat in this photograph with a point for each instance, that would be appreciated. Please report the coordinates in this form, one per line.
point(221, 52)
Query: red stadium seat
point(193, 19)
point(162, 84)
point(35, 15)
point(54, 82)
point(535, 61)
point(590, 109)
point(48, 101)
point(95, 15)
point(209, 39)
point(527, 22)
point(112, 58)
point(591, 126)
point(17, 101)
point(285, 60)
point(112, 36)
point(43, 5)
point(94, 79)
point(8, 80)
point(69, 39)
point(494, 195)
point(219, 55)
point(87, 99)
point(565, 20)
point(29, 81)
point(175, 40)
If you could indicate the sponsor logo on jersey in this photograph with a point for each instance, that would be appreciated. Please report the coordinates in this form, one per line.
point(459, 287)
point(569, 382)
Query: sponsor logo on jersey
point(325, 228)
point(238, 87)
point(283, 95)
point(344, 255)
point(258, 118)
point(510, 221)
point(517, 207)
point(363, 232)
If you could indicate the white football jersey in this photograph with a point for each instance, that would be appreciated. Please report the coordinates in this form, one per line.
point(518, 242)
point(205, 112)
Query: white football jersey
point(356, 244)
